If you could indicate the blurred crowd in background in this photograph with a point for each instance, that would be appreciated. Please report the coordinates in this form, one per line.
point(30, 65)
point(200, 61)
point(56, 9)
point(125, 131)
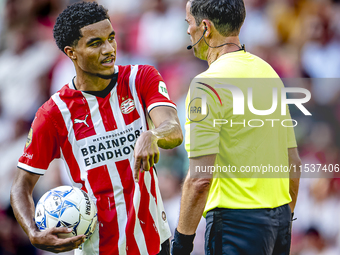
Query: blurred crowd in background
point(299, 38)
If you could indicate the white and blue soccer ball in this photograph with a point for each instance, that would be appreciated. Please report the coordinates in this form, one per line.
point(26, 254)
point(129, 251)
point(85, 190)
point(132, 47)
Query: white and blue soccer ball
point(66, 206)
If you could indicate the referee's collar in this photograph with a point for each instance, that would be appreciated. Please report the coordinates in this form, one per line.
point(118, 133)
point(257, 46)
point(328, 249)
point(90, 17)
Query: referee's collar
point(229, 54)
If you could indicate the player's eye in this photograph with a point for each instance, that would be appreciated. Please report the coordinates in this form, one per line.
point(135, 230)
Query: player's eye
point(111, 38)
point(95, 44)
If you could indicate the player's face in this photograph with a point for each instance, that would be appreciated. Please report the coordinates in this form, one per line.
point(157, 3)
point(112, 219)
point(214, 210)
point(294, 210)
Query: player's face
point(195, 33)
point(96, 50)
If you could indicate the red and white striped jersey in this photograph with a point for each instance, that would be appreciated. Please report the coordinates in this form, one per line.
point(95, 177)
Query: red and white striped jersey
point(95, 136)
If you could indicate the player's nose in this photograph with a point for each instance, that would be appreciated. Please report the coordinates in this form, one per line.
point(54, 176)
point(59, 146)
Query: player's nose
point(108, 48)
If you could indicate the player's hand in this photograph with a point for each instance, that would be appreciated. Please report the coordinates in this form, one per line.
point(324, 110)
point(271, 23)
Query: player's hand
point(146, 153)
point(48, 240)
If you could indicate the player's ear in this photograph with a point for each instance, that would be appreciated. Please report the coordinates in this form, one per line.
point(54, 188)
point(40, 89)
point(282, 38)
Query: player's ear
point(70, 52)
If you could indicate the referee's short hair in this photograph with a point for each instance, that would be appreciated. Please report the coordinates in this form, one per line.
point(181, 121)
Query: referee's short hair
point(227, 15)
point(66, 31)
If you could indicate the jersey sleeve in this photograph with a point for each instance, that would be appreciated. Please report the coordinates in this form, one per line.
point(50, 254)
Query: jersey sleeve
point(153, 89)
point(41, 146)
point(202, 135)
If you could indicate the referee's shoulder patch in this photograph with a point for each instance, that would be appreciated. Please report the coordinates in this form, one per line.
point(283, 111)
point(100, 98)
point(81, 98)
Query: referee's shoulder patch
point(196, 111)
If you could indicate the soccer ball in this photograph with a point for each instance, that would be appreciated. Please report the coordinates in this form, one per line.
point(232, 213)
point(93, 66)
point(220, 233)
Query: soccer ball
point(66, 206)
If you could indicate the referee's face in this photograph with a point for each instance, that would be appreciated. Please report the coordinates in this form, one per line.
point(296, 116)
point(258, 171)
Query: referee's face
point(95, 53)
point(195, 33)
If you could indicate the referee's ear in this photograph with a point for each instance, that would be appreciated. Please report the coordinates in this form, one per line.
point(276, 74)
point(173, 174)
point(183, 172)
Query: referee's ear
point(70, 52)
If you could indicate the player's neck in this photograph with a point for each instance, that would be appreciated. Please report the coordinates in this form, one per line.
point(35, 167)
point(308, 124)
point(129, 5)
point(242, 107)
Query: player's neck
point(90, 83)
point(215, 53)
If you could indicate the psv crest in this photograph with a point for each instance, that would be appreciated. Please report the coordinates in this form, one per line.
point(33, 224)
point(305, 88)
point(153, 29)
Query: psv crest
point(127, 106)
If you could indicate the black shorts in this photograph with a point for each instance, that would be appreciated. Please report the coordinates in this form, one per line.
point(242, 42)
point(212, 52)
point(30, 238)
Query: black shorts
point(248, 231)
point(165, 248)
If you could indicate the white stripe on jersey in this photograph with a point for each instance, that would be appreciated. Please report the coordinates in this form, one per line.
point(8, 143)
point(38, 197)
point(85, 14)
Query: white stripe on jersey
point(139, 235)
point(65, 113)
point(152, 200)
point(31, 169)
point(157, 218)
point(138, 232)
point(95, 113)
point(151, 106)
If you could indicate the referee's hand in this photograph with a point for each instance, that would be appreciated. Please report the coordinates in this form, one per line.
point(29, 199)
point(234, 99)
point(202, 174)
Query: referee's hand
point(146, 153)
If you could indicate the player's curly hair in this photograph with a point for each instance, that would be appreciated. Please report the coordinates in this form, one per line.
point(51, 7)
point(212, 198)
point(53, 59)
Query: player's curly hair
point(227, 15)
point(66, 30)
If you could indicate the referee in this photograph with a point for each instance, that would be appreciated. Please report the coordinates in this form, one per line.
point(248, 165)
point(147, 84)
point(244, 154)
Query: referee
point(245, 214)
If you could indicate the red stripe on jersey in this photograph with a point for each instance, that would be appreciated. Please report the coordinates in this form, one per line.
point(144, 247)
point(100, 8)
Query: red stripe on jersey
point(80, 113)
point(146, 221)
point(101, 185)
point(67, 151)
point(125, 99)
point(106, 113)
point(153, 184)
point(128, 183)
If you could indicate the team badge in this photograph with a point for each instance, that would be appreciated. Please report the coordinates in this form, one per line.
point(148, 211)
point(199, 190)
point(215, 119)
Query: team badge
point(195, 110)
point(163, 90)
point(127, 106)
point(29, 138)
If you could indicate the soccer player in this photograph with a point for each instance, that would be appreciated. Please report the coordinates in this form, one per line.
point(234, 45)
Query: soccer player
point(244, 215)
point(106, 124)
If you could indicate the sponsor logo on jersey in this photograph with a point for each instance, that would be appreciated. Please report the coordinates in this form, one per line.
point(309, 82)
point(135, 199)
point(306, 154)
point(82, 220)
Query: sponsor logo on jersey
point(29, 137)
point(76, 121)
point(27, 155)
point(127, 106)
point(163, 90)
point(109, 147)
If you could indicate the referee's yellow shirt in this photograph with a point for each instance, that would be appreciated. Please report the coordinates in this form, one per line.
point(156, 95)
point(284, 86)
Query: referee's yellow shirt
point(245, 144)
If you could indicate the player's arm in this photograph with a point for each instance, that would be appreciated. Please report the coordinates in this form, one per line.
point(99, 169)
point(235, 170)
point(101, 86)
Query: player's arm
point(167, 134)
point(41, 147)
point(23, 207)
point(168, 129)
point(194, 197)
point(294, 177)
